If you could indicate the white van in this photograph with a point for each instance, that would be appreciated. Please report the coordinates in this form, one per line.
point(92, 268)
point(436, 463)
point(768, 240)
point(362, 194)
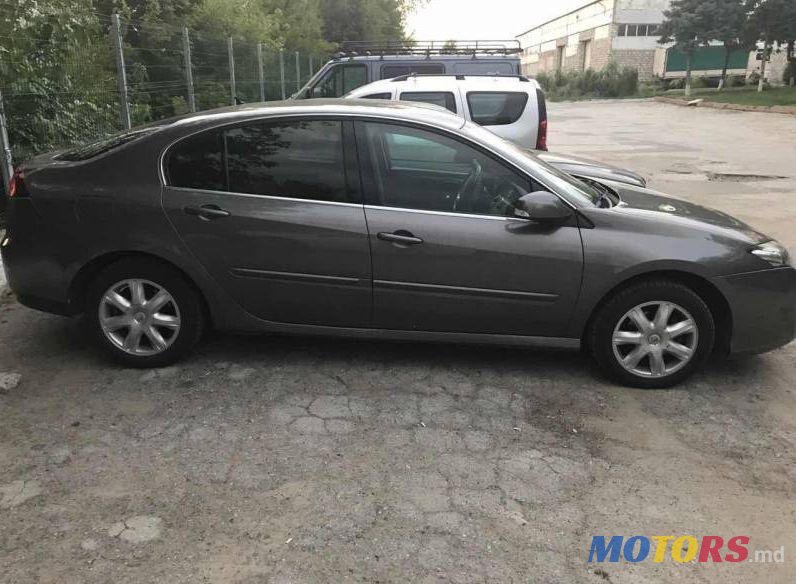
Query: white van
point(513, 107)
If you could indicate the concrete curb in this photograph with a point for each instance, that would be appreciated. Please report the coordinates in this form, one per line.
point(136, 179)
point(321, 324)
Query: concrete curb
point(776, 109)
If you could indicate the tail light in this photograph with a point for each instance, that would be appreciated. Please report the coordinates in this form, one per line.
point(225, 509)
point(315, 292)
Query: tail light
point(17, 188)
point(541, 136)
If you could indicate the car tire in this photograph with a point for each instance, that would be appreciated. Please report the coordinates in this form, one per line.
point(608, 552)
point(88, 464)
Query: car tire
point(635, 343)
point(144, 313)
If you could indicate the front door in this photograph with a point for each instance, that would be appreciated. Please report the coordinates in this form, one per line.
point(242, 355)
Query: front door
point(267, 209)
point(447, 254)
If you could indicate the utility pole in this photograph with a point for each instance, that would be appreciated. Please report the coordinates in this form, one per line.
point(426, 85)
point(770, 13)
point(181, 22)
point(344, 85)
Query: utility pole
point(186, 54)
point(260, 72)
point(231, 55)
point(5, 146)
point(121, 74)
point(282, 71)
point(298, 71)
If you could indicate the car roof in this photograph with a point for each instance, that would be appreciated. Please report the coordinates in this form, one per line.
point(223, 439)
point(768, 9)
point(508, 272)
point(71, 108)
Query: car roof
point(411, 112)
point(441, 82)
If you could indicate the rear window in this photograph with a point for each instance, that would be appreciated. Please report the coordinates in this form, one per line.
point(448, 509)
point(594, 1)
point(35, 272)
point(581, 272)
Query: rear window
point(107, 144)
point(441, 98)
point(496, 108)
point(390, 71)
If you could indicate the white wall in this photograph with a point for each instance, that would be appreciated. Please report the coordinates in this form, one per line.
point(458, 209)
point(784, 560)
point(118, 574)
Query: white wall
point(589, 17)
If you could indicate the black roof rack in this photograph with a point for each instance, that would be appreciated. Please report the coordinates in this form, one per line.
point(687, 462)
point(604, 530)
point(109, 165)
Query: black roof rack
point(427, 48)
point(459, 76)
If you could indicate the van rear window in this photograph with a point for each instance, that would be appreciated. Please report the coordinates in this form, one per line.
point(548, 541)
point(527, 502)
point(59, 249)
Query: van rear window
point(390, 71)
point(496, 108)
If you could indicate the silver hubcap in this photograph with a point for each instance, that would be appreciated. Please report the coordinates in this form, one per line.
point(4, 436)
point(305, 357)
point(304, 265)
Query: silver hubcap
point(139, 317)
point(655, 339)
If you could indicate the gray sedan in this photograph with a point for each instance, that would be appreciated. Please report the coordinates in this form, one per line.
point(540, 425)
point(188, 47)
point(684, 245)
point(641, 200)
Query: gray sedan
point(381, 220)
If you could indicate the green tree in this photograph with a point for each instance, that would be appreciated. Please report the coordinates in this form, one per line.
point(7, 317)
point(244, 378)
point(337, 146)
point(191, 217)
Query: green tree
point(686, 25)
point(729, 24)
point(772, 21)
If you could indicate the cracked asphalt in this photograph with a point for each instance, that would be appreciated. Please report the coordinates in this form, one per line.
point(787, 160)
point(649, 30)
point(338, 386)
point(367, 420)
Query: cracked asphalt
point(289, 460)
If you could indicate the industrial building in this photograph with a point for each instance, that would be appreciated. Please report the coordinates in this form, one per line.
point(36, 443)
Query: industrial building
point(626, 32)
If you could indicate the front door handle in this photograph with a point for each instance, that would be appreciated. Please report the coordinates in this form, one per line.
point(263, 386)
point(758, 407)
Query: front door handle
point(207, 212)
point(401, 236)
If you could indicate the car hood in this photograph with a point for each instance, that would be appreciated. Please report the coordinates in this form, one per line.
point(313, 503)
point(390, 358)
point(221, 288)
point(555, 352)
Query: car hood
point(661, 207)
point(591, 168)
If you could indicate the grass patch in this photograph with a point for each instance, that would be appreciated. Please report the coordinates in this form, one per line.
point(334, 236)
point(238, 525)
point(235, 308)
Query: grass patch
point(742, 96)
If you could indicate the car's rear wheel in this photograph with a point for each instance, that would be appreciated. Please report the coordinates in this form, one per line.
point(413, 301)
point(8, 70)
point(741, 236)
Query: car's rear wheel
point(144, 313)
point(652, 334)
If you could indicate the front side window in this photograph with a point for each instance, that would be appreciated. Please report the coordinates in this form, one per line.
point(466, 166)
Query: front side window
point(441, 98)
point(198, 162)
point(340, 80)
point(295, 159)
point(418, 169)
point(496, 108)
point(300, 159)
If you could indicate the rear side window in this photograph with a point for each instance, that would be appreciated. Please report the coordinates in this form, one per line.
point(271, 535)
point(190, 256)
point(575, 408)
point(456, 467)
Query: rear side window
point(441, 98)
point(296, 159)
point(301, 160)
point(377, 96)
point(198, 162)
point(390, 71)
point(496, 108)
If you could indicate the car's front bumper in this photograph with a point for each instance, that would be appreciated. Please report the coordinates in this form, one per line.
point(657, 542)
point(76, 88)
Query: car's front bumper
point(763, 307)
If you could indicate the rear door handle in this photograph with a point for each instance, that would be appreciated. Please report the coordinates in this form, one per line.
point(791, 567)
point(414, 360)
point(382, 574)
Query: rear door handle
point(400, 236)
point(207, 212)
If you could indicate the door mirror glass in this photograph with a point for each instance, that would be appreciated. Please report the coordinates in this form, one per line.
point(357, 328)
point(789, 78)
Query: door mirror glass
point(541, 206)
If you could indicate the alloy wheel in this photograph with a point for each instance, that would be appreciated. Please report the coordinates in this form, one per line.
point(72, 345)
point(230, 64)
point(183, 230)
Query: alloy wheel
point(139, 317)
point(655, 339)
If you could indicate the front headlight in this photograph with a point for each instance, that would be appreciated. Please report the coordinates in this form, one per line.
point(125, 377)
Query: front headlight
point(773, 253)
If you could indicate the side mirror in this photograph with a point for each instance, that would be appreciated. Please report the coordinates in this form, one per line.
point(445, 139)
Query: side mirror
point(543, 207)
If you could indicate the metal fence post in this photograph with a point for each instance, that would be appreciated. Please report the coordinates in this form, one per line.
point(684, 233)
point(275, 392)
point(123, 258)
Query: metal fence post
point(298, 71)
point(186, 53)
point(282, 71)
point(311, 69)
point(231, 55)
point(121, 74)
point(260, 71)
point(5, 147)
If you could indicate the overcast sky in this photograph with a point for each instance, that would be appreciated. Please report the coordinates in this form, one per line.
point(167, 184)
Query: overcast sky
point(483, 19)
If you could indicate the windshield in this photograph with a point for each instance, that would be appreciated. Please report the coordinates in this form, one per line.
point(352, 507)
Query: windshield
point(561, 182)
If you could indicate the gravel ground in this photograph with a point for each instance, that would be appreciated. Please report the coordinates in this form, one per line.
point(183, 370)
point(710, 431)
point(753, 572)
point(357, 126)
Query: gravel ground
point(276, 459)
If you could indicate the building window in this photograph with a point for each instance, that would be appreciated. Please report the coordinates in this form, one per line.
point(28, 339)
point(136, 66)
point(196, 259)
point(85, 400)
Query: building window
point(642, 30)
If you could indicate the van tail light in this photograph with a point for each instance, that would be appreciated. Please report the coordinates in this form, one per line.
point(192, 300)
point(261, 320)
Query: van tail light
point(17, 188)
point(541, 136)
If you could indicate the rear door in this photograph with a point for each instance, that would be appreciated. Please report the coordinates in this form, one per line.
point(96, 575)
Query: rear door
point(448, 256)
point(269, 211)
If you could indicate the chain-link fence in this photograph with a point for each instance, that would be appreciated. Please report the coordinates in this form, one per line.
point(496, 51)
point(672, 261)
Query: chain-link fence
point(113, 74)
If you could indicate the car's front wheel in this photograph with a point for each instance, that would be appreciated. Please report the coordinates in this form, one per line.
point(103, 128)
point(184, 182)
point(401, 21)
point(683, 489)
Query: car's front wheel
point(652, 334)
point(144, 313)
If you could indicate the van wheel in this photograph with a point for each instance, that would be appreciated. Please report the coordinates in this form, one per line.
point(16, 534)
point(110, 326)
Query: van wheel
point(652, 334)
point(144, 313)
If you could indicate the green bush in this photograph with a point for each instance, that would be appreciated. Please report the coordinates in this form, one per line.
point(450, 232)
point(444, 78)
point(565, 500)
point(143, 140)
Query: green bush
point(610, 81)
point(789, 73)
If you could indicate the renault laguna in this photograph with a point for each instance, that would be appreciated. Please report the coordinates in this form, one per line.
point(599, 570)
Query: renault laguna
point(383, 220)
